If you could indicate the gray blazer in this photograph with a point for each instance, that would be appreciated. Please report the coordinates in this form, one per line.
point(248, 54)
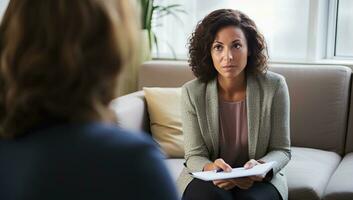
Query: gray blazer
point(267, 101)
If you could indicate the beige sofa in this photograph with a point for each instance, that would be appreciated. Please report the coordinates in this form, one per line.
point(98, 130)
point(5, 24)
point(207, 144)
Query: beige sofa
point(321, 127)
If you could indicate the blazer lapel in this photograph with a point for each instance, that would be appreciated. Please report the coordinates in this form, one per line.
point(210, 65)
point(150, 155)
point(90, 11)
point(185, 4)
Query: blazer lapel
point(212, 115)
point(253, 107)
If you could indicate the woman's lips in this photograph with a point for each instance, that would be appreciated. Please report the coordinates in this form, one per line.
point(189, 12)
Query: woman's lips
point(228, 67)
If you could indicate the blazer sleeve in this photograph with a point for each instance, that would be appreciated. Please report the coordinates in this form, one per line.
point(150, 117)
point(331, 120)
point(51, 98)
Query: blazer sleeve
point(279, 144)
point(196, 152)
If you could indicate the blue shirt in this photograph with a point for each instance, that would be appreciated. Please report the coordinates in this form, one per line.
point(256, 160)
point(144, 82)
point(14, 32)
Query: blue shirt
point(83, 161)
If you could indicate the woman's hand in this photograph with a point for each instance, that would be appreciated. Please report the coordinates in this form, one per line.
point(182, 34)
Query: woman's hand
point(250, 164)
point(247, 182)
point(242, 183)
point(220, 164)
point(228, 184)
point(217, 164)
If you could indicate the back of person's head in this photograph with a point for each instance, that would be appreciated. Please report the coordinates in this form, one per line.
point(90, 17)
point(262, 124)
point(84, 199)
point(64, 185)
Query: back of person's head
point(60, 60)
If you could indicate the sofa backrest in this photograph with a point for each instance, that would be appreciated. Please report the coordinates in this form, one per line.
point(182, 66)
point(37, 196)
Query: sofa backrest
point(319, 96)
point(164, 74)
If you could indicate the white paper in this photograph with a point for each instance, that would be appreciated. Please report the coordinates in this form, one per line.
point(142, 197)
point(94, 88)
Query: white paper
point(235, 173)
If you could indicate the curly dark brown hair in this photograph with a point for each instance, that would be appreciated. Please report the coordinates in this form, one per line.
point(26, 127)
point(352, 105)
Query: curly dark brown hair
point(59, 60)
point(201, 40)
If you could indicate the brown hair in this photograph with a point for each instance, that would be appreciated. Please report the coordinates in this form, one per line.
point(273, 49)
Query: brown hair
point(201, 40)
point(60, 60)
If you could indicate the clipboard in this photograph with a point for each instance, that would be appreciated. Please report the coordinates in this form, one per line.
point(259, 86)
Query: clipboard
point(257, 170)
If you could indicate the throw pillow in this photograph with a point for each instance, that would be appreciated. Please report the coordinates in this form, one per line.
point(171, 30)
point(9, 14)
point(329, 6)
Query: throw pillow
point(163, 106)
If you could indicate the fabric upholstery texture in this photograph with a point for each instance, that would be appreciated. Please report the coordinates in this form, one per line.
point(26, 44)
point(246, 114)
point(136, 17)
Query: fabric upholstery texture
point(164, 74)
point(131, 111)
point(175, 166)
point(317, 91)
point(309, 171)
point(341, 183)
point(165, 121)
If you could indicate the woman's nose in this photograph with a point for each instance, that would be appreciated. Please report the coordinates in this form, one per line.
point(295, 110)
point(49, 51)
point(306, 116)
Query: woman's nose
point(228, 56)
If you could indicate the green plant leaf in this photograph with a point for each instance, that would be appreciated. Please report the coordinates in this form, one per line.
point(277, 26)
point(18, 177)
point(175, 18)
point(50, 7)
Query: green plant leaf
point(151, 12)
point(156, 43)
point(173, 6)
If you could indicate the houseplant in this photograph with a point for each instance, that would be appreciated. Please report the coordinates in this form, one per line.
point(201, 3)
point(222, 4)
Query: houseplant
point(151, 13)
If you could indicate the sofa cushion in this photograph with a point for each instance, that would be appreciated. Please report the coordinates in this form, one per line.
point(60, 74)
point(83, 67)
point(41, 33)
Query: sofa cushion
point(340, 186)
point(163, 106)
point(309, 172)
point(131, 111)
point(319, 104)
point(175, 166)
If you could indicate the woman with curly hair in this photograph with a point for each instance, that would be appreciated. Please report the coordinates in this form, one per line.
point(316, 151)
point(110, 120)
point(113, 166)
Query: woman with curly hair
point(235, 113)
point(59, 66)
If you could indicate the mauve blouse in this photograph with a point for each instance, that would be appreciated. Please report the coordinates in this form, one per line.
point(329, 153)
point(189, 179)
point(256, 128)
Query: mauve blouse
point(233, 133)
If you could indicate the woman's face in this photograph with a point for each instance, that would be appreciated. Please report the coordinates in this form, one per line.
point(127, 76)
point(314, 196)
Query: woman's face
point(229, 52)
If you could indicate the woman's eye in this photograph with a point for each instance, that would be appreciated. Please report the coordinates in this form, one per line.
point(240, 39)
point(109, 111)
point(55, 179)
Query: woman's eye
point(237, 46)
point(218, 47)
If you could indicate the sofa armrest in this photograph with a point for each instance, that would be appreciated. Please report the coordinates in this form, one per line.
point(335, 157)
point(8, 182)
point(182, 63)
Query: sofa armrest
point(340, 185)
point(131, 111)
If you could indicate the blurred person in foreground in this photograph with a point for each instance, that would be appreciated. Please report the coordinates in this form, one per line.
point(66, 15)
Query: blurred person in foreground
point(60, 61)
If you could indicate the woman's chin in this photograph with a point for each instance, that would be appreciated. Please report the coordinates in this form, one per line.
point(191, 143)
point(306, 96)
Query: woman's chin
point(232, 74)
